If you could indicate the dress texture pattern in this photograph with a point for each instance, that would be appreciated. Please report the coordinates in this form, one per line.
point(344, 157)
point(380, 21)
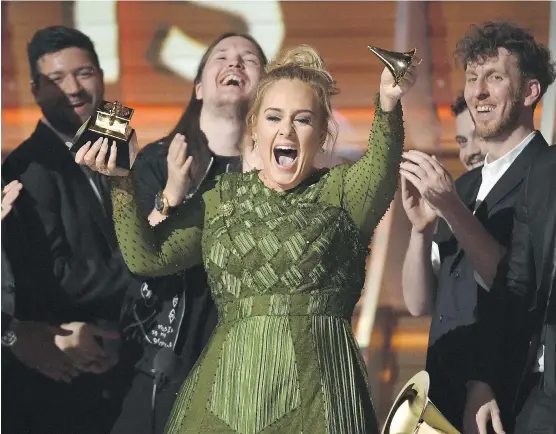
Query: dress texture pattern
point(286, 270)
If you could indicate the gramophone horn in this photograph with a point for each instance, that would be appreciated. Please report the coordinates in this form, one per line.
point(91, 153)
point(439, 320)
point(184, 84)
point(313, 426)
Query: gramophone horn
point(397, 63)
point(414, 413)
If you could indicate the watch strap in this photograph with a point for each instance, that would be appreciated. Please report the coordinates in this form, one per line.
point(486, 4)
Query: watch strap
point(164, 208)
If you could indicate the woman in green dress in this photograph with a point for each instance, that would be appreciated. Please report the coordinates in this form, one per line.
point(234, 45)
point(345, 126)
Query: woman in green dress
point(285, 250)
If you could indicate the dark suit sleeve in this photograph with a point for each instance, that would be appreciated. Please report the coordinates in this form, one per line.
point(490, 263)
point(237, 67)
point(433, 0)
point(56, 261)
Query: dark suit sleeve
point(150, 177)
point(520, 278)
point(505, 332)
point(98, 276)
point(8, 292)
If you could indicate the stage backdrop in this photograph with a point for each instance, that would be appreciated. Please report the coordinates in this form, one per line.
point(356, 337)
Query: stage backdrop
point(150, 50)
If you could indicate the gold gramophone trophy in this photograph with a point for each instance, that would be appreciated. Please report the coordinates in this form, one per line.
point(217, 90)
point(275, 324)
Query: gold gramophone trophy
point(111, 120)
point(414, 413)
point(397, 63)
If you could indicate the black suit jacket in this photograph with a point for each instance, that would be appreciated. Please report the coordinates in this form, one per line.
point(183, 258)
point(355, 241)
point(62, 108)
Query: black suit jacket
point(8, 284)
point(455, 349)
point(524, 284)
point(72, 234)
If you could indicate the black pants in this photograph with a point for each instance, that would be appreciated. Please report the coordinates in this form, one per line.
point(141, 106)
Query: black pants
point(34, 404)
point(136, 416)
point(538, 415)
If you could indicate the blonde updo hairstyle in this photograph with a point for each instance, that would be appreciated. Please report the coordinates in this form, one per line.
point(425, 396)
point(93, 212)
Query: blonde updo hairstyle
point(300, 63)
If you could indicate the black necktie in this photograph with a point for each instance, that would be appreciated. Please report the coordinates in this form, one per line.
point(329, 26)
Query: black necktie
point(103, 186)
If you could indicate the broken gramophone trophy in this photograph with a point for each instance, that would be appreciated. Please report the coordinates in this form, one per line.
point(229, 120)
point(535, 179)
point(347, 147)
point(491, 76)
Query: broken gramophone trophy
point(397, 63)
point(111, 120)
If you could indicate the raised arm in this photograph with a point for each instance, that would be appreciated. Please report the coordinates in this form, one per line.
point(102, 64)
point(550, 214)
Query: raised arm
point(366, 188)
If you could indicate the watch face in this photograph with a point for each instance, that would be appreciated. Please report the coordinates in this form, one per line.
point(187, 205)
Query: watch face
point(9, 338)
point(158, 203)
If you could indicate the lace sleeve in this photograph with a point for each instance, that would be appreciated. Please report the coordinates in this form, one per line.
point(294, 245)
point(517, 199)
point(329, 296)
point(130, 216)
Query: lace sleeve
point(171, 246)
point(367, 187)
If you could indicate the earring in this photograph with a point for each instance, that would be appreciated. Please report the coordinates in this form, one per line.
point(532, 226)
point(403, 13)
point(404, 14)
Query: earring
point(255, 143)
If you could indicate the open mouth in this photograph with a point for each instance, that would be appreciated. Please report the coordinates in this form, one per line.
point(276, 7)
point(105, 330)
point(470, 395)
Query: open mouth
point(285, 156)
point(232, 80)
point(78, 106)
point(475, 162)
point(485, 110)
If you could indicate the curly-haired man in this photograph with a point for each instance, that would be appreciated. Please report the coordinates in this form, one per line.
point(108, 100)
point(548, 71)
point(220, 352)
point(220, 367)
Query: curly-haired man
point(506, 74)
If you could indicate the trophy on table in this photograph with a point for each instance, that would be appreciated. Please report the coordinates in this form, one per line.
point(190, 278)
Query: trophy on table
point(397, 63)
point(111, 120)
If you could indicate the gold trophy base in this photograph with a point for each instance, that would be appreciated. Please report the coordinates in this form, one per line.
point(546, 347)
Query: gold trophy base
point(90, 131)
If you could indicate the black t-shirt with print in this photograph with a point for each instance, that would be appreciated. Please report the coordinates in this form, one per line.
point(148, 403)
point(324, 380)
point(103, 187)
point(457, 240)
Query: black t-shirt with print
point(152, 318)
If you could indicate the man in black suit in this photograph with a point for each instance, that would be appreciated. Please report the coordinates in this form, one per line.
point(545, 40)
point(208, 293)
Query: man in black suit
point(67, 212)
point(31, 343)
point(526, 324)
point(466, 226)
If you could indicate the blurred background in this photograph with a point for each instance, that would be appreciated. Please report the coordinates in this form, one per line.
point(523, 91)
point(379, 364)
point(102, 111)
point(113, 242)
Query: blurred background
point(150, 50)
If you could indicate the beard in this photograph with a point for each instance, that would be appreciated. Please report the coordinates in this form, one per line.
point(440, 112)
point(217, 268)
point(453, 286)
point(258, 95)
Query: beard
point(500, 127)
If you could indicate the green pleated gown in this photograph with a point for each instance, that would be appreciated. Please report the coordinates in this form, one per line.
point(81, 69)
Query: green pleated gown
point(285, 270)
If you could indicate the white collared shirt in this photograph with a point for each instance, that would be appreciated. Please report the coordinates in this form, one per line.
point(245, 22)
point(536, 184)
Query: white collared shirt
point(493, 171)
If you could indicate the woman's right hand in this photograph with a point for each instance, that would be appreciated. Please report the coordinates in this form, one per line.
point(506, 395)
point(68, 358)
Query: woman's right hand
point(178, 171)
point(94, 156)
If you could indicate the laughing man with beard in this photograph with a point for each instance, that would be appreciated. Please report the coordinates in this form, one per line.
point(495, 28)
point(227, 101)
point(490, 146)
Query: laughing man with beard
point(467, 224)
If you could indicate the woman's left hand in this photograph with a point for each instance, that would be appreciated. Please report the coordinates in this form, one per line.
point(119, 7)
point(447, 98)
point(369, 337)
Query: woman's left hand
point(391, 93)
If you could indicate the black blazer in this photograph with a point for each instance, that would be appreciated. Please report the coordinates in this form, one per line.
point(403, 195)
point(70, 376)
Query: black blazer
point(72, 234)
point(455, 349)
point(525, 279)
point(496, 215)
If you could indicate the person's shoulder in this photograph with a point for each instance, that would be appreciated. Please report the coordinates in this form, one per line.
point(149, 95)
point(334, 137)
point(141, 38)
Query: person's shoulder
point(152, 155)
point(468, 177)
point(26, 149)
point(544, 164)
point(548, 154)
point(26, 157)
point(154, 150)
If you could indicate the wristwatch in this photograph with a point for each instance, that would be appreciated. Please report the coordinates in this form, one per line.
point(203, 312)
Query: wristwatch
point(9, 337)
point(161, 204)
